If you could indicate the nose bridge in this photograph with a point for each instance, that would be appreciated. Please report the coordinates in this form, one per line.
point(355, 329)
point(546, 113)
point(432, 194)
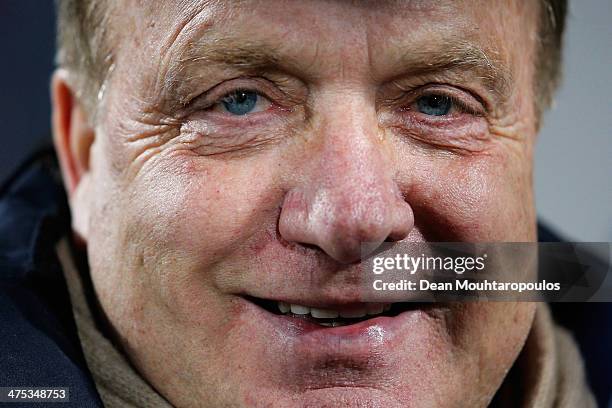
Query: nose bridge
point(350, 167)
point(347, 195)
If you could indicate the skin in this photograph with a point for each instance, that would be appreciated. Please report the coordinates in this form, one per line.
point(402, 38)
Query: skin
point(184, 208)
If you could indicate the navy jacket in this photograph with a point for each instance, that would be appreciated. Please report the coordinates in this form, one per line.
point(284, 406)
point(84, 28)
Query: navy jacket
point(39, 346)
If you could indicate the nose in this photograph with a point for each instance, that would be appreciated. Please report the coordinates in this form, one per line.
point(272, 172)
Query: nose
point(347, 202)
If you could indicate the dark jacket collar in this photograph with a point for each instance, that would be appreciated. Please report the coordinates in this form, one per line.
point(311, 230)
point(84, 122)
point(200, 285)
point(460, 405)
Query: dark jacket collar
point(40, 345)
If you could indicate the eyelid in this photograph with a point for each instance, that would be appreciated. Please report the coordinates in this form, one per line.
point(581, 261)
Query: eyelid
point(458, 103)
point(215, 95)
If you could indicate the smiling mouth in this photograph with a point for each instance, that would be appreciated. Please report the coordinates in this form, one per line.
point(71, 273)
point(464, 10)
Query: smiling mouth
point(335, 317)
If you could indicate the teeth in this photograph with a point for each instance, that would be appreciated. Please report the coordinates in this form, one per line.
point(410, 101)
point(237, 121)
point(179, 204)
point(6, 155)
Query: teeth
point(300, 310)
point(323, 313)
point(283, 307)
point(368, 309)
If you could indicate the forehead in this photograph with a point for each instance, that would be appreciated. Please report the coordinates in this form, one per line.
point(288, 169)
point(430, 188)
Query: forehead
point(323, 25)
point(168, 41)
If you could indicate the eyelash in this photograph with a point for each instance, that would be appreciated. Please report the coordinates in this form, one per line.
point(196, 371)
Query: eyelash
point(219, 100)
point(456, 102)
point(409, 96)
point(215, 96)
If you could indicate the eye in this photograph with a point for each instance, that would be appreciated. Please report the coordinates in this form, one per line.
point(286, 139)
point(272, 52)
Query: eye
point(242, 101)
point(434, 105)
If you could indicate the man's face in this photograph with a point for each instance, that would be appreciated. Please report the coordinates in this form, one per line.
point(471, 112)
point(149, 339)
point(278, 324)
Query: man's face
point(243, 152)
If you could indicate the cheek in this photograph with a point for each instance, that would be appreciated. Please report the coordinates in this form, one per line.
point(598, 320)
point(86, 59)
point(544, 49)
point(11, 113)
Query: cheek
point(202, 209)
point(175, 223)
point(484, 197)
point(491, 334)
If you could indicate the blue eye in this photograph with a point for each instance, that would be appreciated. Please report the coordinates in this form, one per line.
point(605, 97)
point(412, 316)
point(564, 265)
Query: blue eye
point(434, 105)
point(240, 102)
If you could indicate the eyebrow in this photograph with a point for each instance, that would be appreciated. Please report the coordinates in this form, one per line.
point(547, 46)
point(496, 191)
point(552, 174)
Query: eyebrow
point(243, 56)
point(462, 55)
point(250, 57)
point(238, 54)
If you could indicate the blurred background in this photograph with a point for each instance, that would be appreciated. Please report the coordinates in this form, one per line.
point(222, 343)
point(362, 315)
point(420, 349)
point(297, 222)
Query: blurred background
point(573, 156)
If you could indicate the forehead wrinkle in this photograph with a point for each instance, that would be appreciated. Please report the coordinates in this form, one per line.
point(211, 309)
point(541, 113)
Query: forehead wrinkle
point(198, 20)
point(205, 51)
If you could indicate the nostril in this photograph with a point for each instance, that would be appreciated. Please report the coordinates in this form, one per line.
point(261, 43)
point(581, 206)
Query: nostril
point(403, 220)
